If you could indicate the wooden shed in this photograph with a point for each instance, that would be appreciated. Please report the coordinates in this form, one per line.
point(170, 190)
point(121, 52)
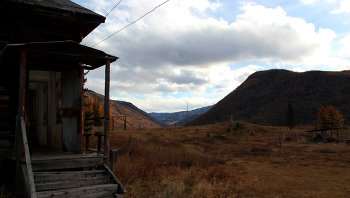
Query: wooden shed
point(41, 99)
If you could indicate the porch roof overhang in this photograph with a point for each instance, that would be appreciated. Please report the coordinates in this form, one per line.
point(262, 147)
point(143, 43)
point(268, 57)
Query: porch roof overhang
point(57, 55)
point(45, 20)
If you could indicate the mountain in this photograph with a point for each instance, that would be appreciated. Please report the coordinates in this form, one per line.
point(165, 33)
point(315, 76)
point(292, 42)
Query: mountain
point(135, 117)
point(264, 96)
point(179, 118)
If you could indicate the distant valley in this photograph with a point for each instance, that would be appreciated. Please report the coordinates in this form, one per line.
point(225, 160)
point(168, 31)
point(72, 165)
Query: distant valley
point(180, 118)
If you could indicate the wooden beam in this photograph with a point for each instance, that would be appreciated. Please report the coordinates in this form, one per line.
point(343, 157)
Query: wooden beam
point(28, 160)
point(121, 188)
point(21, 112)
point(80, 118)
point(22, 81)
point(106, 110)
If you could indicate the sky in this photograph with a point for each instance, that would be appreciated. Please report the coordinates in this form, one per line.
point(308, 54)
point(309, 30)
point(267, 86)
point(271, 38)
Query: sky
point(198, 51)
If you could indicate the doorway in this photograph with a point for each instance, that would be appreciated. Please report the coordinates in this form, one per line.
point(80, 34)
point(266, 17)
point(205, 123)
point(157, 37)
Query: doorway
point(38, 114)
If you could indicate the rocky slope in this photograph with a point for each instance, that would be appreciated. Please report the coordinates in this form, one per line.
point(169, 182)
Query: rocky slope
point(135, 117)
point(264, 96)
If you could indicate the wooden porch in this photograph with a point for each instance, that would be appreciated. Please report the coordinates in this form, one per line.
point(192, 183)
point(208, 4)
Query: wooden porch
point(41, 98)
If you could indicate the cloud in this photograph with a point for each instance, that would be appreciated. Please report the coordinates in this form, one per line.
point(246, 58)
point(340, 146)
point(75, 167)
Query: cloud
point(181, 38)
point(154, 100)
point(183, 52)
point(344, 7)
point(187, 77)
point(345, 47)
point(308, 2)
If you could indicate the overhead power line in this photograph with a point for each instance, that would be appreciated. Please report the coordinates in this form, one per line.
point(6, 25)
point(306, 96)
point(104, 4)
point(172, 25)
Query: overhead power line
point(113, 8)
point(114, 33)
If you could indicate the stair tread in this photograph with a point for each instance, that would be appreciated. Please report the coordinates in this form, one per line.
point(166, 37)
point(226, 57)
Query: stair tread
point(67, 175)
point(59, 177)
point(68, 172)
point(5, 143)
point(7, 112)
point(62, 156)
point(6, 132)
point(6, 136)
point(4, 124)
point(4, 97)
point(104, 189)
point(5, 118)
point(2, 88)
point(72, 183)
point(6, 153)
point(44, 164)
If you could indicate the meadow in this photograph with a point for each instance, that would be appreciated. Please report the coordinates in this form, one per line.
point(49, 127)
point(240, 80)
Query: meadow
point(230, 160)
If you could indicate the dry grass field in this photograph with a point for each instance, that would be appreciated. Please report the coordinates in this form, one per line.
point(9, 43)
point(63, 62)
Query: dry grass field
point(221, 160)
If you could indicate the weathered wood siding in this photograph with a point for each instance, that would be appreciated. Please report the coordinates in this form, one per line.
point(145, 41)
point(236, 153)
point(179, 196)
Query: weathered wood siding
point(72, 88)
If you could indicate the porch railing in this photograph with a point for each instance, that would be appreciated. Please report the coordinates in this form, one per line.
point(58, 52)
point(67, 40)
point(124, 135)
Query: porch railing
point(90, 123)
point(24, 170)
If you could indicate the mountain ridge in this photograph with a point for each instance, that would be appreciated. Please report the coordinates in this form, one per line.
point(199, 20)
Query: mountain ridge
point(264, 96)
point(135, 117)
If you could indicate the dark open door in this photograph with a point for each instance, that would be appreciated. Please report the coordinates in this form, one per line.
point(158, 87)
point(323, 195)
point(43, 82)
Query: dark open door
point(32, 137)
point(37, 114)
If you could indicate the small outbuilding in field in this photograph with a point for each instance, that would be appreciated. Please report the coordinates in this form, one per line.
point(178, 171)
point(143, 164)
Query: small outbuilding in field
point(324, 135)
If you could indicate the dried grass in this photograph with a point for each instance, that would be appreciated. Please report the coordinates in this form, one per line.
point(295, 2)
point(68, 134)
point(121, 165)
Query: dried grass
point(246, 161)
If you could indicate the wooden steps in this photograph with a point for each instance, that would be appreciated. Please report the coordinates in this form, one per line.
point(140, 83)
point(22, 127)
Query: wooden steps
point(72, 175)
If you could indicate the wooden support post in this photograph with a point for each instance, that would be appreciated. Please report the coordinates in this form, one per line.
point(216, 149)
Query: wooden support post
point(22, 82)
point(106, 110)
point(21, 112)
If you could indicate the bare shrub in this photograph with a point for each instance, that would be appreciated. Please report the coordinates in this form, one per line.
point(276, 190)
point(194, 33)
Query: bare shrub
point(203, 188)
point(217, 173)
point(171, 188)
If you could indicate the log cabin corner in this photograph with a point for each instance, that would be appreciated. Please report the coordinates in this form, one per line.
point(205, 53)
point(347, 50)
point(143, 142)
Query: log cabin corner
point(41, 100)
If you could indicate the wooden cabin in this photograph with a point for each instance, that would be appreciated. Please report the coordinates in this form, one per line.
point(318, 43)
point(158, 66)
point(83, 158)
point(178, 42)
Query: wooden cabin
point(41, 100)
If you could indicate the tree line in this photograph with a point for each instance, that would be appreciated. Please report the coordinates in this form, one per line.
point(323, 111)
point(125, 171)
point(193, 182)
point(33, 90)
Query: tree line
point(328, 116)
